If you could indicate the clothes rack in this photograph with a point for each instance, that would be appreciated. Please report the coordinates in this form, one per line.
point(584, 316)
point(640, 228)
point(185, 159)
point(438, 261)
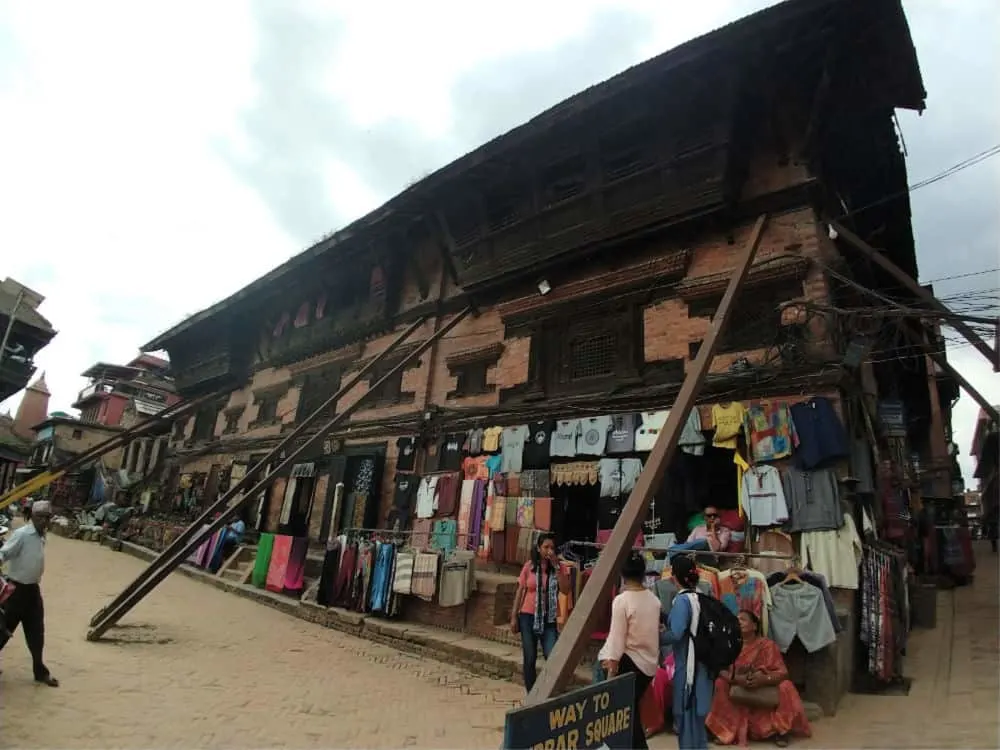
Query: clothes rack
point(688, 553)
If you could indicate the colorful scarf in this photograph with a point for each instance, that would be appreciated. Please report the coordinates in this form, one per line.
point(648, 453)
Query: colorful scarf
point(546, 599)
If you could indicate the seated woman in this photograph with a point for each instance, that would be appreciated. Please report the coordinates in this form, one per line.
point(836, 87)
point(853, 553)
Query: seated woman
point(750, 713)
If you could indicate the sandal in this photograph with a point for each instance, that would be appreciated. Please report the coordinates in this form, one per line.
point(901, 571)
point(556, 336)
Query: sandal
point(781, 741)
point(50, 681)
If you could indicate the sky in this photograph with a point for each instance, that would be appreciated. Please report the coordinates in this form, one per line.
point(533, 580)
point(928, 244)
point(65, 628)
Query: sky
point(158, 156)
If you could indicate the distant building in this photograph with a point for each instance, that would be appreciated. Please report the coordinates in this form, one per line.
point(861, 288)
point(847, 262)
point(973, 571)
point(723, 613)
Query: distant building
point(14, 452)
point(986, 449)
point(23, 333)
point(144, 384)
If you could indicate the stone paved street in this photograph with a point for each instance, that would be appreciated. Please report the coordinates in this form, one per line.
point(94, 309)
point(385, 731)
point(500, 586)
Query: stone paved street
point(196, 667)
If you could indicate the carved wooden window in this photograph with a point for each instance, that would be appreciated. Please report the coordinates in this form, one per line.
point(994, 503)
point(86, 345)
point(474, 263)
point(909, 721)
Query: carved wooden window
point(503, 209)
point(582, 352)
point(267, 408)
point(204, 423)
point(317, 387)
point(390, 392)
point(563, 180)
point(627, 151)
point(755, 322)
point(179, 426)
point(233, 420)
point(376, 287)
point(470, 380)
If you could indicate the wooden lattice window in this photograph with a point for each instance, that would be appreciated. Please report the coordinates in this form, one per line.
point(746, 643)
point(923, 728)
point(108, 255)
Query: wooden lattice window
point(563, 180)
point(593, 356)
point(317, 387)
point(204, 423)
point(267, 408)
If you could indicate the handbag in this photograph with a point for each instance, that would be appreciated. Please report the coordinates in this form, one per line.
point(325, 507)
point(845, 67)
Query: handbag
point(762, 697)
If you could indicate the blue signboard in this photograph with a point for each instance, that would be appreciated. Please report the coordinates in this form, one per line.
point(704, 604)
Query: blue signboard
point(594, 717)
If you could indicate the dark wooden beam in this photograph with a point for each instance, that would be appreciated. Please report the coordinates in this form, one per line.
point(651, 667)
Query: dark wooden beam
point(449, 250)
point(912, 285)
point(942, 361)
point(573, 640)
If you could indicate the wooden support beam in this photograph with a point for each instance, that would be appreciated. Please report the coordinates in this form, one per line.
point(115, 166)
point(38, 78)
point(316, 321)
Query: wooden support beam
point(942, 362)
point(162, 567)
point(911, 284)
point(573, 640)
point(255, 471)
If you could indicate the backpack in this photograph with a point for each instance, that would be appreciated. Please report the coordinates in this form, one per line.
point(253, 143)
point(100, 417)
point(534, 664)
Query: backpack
point(718, 640)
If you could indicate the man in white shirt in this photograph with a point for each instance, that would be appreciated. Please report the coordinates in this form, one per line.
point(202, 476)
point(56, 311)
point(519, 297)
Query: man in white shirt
point(23, 558)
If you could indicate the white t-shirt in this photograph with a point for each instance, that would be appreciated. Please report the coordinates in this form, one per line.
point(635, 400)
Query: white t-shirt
point(763, 496)
point(563, 443)
point(427, 497)
point(593, 436)
point(512, 444)
point(649, 430)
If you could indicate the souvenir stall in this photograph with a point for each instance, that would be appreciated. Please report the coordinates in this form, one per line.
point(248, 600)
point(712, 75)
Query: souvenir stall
point(280, 564)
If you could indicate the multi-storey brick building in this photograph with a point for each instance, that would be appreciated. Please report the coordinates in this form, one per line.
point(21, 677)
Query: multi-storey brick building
point(594, 243)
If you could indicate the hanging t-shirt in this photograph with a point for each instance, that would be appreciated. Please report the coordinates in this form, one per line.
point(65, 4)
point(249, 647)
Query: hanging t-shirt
point(406, 490)
point(536, 447)
point(727, 419)
point(493, 465)
point(649, 430)
point(619, 475)
point(763, 497)
point(491, 439)
point(427, 497)
point(432, 458)
point(406, 453)
point(451, 452)
point(474, 441)
point(563, 443)
point(692, 439)
point(593, 436)
point(512, 443)
point(621, 439)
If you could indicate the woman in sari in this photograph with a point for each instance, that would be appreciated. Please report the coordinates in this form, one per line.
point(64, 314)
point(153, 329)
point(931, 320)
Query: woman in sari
point(755, 700)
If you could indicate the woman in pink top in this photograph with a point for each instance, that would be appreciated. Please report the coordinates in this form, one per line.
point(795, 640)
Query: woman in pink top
point(536, 604)
point(633, 643)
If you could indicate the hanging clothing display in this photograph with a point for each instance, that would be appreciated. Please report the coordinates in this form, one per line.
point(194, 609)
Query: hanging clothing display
point(576, 472)
point(798, 611)
point(593, 436)
point(618, 475)
point(770, 431)
point(621, 438)
point(813, 499)
point(427, 497)
point(692, 440)
point(327, 590)
point(649, 429)
point(536, 447)
point(821, 435)
point(278, 565)
point(727, 419)
point(885, 616)
point(563, 442)
point(512, 441)
point(296, 567)
point(834, 554)
point(762, 496)
point(263, 560)
point(406, 452)
point(424, 578)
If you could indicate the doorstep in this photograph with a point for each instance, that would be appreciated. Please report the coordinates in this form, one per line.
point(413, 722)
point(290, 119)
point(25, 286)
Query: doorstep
point(477, 655)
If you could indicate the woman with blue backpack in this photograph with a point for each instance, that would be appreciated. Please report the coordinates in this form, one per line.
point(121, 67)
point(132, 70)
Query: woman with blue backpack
point(705, 637)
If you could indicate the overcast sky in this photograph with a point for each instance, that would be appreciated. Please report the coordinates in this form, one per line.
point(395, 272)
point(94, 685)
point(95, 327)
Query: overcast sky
point(155, 157)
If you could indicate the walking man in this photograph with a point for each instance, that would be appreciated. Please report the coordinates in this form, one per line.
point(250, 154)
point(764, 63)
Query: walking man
point(23, 555)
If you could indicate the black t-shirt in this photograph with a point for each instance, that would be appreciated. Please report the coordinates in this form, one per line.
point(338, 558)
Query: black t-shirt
point(406, 453)
point(450, 451)
point(406, 490)
point(536, 447)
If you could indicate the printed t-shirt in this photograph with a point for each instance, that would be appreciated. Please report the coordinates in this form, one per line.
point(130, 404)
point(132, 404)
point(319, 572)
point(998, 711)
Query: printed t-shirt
point(563, 443)
point(621, 439)
point(727, 419)
point(649, 430)
point(474, 441)
point(536, 447)
point(475, 468)
point(512, 441)
point(593, 436)
point(619, 475)
point(451, 452)
point(491, 439)
point(427, 497)
point(406, 453)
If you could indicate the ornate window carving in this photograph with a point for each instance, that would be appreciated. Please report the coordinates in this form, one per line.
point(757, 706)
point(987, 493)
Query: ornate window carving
point(755, 322)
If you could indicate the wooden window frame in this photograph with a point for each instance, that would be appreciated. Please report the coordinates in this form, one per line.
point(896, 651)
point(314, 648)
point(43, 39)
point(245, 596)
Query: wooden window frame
point(325, 380)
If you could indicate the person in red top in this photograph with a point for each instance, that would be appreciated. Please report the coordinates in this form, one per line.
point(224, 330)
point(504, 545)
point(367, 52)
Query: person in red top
point(536, 605)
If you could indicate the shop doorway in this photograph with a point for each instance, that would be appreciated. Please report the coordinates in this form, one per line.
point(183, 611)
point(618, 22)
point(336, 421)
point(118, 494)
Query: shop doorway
point(576, 511)
point(301, 505)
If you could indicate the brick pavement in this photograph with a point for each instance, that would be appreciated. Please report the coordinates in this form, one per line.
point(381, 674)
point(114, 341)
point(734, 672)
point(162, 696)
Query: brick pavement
point(194, 666)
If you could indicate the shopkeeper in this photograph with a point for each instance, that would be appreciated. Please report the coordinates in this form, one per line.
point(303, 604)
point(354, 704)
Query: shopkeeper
point(713, 532)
